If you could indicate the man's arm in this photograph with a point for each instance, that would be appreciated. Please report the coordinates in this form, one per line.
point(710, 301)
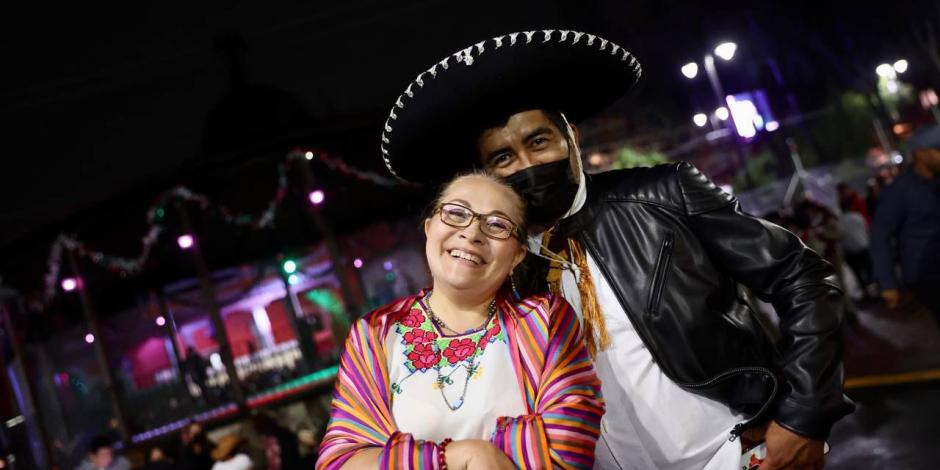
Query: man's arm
point(888, 218)
point(780, 269)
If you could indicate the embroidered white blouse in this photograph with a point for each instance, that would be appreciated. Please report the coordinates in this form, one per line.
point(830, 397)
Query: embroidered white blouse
point(450, 386)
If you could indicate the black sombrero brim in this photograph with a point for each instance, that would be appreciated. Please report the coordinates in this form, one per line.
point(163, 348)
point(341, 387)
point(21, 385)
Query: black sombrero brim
point(431, 128)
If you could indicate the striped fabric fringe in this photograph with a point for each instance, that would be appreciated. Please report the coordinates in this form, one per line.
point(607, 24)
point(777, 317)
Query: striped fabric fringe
point(553, 371)
point(595, 328)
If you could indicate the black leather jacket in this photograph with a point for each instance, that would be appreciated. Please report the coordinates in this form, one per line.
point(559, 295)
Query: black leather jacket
point(676, 249)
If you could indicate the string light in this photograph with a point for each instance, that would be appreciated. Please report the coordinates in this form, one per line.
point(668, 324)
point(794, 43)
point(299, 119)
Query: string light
point(185, 241)
point(357, 263)
point(89, 338)
point(289, 266)
point(69, 284)
point(161, 321)
point(156, 214)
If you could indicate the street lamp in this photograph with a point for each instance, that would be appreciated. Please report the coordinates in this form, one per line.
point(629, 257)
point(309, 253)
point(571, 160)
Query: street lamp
point(900, 66)
point(722, 113)
point(726, 52)
point(886, 71)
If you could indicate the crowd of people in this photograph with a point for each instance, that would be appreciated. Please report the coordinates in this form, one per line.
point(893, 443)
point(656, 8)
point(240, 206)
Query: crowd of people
point(884, 246)
point(262, 445)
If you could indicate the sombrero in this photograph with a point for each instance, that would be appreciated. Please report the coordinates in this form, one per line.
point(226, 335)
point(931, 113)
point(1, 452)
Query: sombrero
point(431, 126)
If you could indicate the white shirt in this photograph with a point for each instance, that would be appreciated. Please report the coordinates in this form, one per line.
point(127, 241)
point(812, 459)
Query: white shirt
point(239, 462)
point(420, 409)
point(650, 422)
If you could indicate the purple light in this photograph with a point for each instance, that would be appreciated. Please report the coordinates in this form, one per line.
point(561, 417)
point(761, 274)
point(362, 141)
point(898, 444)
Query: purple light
point(161, 321)
point(387, 265)
point(89, 338)
point(185, 241)
point(317, 196)
point(745, 116)
point(357, 263)
point(69, 284)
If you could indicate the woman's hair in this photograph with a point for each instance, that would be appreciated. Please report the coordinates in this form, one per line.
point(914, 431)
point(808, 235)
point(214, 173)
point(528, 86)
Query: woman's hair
point(517, 200)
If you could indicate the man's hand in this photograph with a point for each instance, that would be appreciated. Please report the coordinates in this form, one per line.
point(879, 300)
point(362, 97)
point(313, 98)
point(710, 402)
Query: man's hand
point(892, 298)
point(788, 450)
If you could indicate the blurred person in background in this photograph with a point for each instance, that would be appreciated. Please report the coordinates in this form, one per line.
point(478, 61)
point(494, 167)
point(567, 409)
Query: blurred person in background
point(821, 231)
point(854, 226)
point(197, 448)
point(230, 454)
point(309, 448)
point(281, 448)
point(194, 366)
point(906, 229)
point(851, 201)
point(101, 456)
point(158, 460)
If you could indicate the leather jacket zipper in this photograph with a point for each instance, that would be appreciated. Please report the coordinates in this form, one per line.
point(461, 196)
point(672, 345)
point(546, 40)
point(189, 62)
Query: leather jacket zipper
point(659, 275)
point(605, 270)
point(738, 428)
point(741, 427)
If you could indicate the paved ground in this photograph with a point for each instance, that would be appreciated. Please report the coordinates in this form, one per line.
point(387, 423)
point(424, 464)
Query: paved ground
point(890, 358)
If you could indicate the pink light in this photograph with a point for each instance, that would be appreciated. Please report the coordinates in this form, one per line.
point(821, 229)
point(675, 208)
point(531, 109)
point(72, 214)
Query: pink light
point(161, 321)
point(317, 196)
point(185, 241)
point(89, 338)
point(357, 263)
point(69, 284)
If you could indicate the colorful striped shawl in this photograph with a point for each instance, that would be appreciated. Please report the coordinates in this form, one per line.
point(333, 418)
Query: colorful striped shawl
point(554, 374)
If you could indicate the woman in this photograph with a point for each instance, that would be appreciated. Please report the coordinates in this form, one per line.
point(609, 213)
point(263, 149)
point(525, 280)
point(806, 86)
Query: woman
point(464, 375)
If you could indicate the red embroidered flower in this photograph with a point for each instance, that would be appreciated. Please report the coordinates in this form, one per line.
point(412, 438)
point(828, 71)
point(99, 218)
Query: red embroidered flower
point(490, 333)
point(419, 336)
point(423, 356)
point(414, 319)
point(459, 349)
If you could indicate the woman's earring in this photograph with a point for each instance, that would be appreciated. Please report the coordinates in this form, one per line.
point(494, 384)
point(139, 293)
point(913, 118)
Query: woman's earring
point(512, 283)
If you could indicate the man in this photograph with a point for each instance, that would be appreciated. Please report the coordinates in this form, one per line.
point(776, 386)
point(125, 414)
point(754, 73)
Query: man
point(194, 366)
point(651, 258)
point(909, 214)
point(101, 456)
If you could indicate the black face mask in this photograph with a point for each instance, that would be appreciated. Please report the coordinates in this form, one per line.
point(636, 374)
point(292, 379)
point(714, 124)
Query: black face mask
point(548, 190)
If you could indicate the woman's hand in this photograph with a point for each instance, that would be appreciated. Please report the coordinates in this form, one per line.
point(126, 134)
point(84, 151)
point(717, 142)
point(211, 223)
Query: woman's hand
point(476, 454)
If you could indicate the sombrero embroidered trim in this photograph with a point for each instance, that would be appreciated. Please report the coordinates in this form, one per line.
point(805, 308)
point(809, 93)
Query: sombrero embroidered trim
point(467, 57)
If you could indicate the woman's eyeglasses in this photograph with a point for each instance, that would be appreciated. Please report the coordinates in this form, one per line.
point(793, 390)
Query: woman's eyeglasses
point(492, 225)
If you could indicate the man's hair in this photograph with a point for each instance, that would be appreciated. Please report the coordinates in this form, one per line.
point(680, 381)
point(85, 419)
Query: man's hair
point(97, 443)
point(556, 118)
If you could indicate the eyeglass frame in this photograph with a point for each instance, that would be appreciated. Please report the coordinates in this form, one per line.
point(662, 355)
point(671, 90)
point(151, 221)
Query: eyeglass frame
point(516, 231)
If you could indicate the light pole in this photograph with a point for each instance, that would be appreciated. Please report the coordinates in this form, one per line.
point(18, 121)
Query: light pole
point(724, 51)
point(888, 80)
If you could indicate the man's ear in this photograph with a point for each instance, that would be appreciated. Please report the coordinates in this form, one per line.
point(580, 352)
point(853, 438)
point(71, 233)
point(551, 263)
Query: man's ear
point(427, 226)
